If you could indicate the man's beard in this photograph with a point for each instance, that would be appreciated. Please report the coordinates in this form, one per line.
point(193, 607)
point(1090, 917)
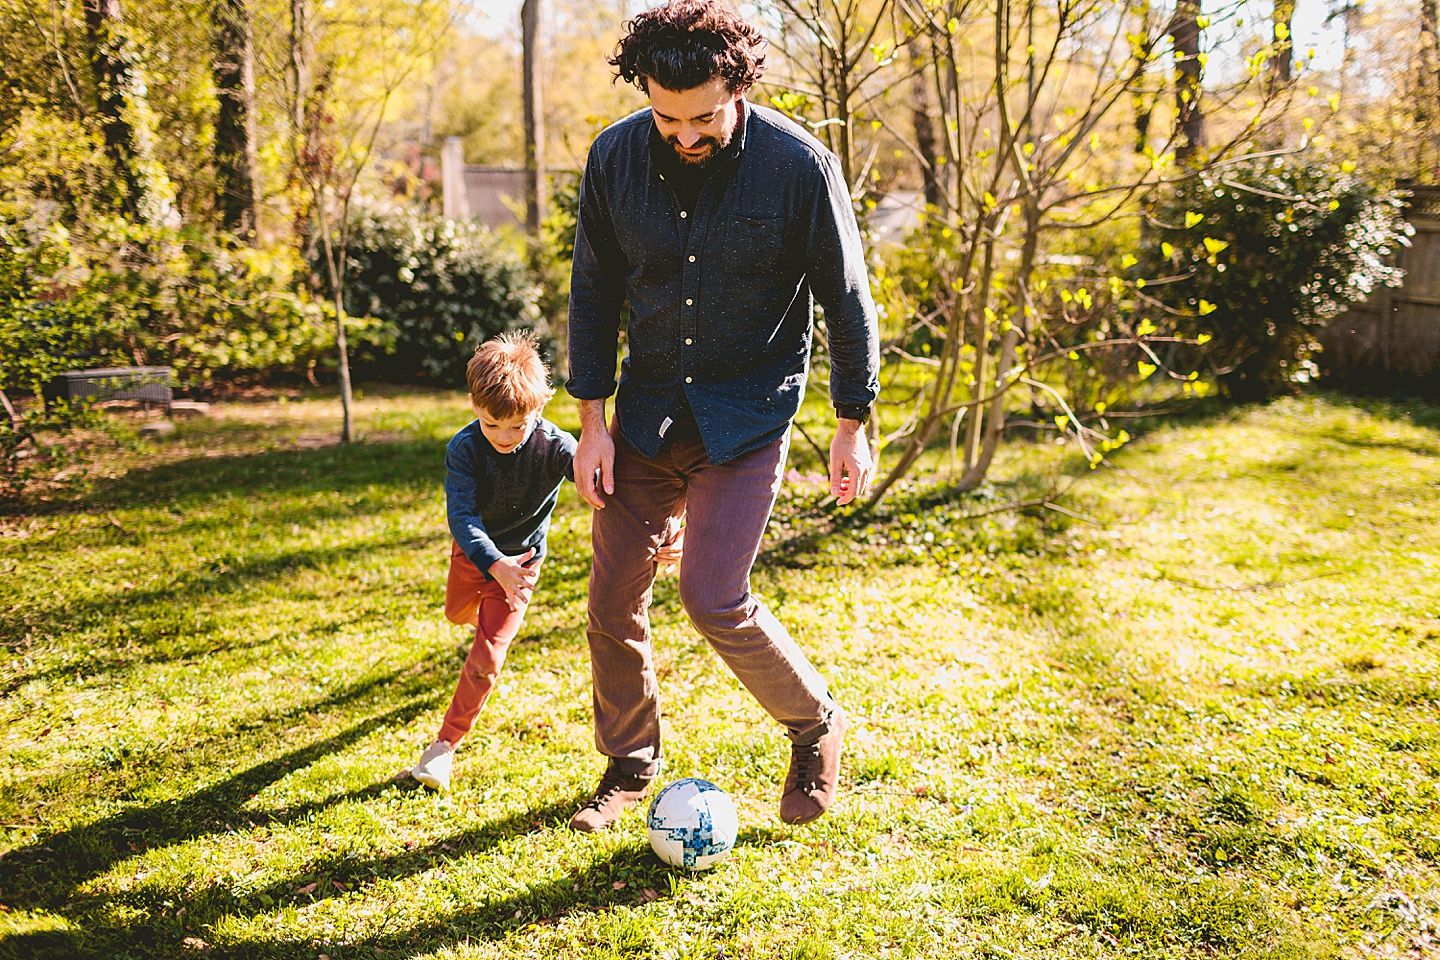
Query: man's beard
point(713, 144)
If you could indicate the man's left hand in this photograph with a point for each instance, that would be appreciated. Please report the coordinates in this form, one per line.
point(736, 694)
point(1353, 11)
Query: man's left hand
point(850, 463)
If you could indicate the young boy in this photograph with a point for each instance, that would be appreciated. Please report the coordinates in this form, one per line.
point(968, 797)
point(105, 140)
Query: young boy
point(502, 477)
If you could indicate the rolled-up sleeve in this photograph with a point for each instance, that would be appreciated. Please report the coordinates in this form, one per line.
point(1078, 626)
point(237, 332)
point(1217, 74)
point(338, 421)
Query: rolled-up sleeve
point(841, 286)
point(597, 290)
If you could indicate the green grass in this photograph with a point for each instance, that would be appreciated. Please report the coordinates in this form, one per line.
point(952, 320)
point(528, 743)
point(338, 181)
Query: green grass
point(1200, 722)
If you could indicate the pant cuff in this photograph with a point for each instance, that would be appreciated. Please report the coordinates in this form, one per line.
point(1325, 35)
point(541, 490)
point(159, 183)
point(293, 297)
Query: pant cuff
point(813, 734)
point(635, 767)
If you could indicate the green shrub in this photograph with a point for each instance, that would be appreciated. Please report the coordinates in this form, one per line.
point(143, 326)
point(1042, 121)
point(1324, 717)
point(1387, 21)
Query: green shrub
point(434, 289)
point(242, 310)
point(1257, 256)
point(205, 303)
point(47, 324)
point(131, 294)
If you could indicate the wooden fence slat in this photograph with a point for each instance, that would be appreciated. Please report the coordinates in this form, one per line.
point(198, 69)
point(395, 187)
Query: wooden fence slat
point(1392, 339)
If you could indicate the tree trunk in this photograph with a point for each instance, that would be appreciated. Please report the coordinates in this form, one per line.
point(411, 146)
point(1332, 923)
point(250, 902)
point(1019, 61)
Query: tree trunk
point(299, 64)
point(336, 262)
point(17, 426)
point(1427, 93)
point(1282, 62)
point(980, 383)
point(126, 121)
point(1144, 107)
point(921, 112)
point(336, 254)
point(534, 121)
point(300, 93)
point(844, 136)
point(1189, 119)
point(236, 157)
point(984, 454)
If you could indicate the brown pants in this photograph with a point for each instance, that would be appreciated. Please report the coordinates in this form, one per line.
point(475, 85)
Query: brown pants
point(726, 508)
point(473, 601)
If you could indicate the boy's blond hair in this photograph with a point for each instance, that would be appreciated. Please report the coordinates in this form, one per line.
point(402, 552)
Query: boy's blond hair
point(506, 376)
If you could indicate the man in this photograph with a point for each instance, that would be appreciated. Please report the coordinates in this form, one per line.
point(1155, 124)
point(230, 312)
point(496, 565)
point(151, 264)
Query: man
point(716, 220)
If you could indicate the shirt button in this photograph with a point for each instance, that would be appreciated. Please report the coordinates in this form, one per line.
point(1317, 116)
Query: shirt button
point(692, 258)
point(683, 214)
point(688, 341)
point(689, 302)
point(687, 379)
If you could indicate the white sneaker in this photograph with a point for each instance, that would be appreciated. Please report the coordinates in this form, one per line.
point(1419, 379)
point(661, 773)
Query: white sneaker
point(433, 770)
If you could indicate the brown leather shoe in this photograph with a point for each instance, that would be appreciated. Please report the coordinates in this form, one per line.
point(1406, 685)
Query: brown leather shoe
point(616, 792)
point(814, 774)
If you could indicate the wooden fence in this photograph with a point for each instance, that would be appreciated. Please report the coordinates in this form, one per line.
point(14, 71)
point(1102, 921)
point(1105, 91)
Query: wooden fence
point(1391, 340)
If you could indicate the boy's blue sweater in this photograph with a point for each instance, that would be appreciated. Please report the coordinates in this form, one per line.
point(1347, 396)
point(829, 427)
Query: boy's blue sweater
point(499, 504)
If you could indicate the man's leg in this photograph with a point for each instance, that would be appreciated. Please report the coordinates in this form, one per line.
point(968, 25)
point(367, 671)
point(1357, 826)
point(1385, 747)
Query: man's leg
point(649, 498)
point(728, 507)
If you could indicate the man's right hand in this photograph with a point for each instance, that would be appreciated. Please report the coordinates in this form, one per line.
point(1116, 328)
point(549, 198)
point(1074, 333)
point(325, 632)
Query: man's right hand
point(594, 455)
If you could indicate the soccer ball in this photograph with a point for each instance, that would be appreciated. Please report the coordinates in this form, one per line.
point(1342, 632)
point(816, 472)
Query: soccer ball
point(692, 824)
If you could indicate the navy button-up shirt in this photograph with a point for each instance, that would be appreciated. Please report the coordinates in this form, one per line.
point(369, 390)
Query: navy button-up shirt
point(725, 314)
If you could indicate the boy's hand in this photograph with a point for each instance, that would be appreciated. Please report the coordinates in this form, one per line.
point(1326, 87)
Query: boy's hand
point(594, 455)
point(517, 579)
point(668, 553)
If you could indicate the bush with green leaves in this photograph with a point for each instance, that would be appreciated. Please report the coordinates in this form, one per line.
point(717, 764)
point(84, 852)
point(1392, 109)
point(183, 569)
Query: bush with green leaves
point(126, 294)
point(1255, 257)
point(206, 304)
point(242, 311)
point(433, 289)
point(48, 322)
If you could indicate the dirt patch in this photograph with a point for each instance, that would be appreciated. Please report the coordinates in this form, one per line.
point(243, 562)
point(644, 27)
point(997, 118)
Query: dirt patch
point(315, 441)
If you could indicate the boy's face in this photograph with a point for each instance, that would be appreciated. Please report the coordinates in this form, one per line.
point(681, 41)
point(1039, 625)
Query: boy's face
point(504, 434)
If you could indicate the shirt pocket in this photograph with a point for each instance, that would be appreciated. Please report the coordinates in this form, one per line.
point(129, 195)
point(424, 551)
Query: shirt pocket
point(754, 253)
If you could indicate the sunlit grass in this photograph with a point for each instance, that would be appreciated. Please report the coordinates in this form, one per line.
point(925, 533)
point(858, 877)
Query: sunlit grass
point(1201, 721)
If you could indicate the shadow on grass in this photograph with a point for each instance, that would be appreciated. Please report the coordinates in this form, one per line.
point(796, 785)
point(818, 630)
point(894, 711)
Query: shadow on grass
point(915, 525)
point(590, 889)
point(171, 622)
point(1138, 422)
point(50, 870)
point(172, 918)
point(397, 464)
point(1419, 414)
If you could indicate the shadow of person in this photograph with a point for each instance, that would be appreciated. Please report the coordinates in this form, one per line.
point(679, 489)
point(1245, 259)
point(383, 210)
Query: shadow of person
point(49, 870)
point(155, 915)
point(624, 877)
point(617, 878)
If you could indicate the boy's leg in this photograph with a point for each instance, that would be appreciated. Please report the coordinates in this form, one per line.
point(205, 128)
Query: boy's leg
point(496, 626)
point(462, 589)
point(642, 513)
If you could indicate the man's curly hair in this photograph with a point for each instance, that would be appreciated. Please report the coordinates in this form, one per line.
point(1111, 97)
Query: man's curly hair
point(685, 44)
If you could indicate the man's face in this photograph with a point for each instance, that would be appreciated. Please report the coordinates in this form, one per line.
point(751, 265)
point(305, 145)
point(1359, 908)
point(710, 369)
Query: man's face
point(504, 433)
point(697, 123)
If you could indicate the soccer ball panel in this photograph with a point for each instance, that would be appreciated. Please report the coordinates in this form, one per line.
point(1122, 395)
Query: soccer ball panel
point(692, 824)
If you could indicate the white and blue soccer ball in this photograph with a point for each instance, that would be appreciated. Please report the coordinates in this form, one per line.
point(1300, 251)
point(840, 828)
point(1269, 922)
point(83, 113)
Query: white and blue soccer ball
point(692, 824)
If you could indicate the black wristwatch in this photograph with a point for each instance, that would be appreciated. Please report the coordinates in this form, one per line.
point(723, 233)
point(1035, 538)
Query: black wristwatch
point(861, 413)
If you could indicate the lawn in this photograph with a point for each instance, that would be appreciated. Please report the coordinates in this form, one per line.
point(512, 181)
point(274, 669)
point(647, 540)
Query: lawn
point(1193, 715)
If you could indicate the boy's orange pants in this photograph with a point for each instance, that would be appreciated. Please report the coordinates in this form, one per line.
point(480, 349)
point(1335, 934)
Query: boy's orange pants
point(473, 601)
